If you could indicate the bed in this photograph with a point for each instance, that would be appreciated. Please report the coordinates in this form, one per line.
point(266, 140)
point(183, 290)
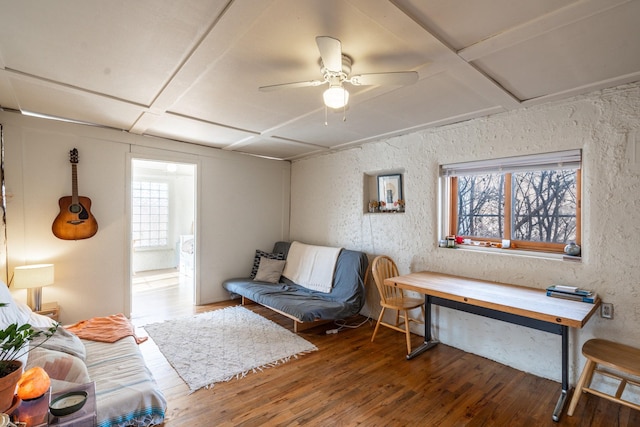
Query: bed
point(126, 392)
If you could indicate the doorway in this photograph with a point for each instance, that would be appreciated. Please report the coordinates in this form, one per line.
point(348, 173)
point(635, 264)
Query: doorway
point(163, 240)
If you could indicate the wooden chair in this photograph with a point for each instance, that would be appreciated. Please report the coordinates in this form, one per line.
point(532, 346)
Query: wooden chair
point(617, 358)
point(393, 298)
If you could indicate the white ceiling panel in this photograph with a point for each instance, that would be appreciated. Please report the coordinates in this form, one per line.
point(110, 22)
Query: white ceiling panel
point(277, 148)
point(462, 23)
point(585, 52)
point(104, 46)
point(191, 70)
point(63, 102)
point(199, 132)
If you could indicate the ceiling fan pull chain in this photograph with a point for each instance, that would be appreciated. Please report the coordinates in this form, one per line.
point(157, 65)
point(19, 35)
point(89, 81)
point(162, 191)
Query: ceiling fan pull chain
point(344, 107)
point(326, 120)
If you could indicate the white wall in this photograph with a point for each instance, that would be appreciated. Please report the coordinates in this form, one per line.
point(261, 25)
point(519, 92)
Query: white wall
point(244, 205)
point(599, 123)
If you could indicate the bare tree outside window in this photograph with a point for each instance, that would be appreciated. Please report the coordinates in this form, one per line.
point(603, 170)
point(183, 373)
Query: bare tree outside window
point(544, 206)
point(481, 205)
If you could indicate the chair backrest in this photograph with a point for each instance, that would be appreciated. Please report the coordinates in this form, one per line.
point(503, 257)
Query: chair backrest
point(382, 268)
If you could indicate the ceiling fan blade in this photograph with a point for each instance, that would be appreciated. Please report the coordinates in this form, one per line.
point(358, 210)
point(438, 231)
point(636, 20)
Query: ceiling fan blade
point(330, 52)
point(290, 85)
point(379, 79)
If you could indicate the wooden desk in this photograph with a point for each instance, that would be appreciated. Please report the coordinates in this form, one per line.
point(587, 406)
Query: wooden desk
point(520, 305)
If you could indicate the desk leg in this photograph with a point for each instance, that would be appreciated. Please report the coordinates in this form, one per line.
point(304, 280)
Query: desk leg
point(565, 375)
point(428, 342)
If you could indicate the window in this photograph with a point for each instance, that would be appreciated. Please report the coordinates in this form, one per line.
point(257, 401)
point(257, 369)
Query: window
point(532, 201)
point(150, 221)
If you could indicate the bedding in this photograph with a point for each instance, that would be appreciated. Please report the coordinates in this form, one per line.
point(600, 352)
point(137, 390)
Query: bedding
point(62, 341)
point(126, 392)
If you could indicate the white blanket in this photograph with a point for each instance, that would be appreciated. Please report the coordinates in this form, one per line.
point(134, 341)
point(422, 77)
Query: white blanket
point(311, 266)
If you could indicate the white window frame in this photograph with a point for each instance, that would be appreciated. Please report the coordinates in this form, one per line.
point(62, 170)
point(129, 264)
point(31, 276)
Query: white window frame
point(139, 242)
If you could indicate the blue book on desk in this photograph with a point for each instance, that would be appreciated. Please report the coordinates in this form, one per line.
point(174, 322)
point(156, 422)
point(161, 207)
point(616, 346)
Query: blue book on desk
point(590, 297)
point(570, 290)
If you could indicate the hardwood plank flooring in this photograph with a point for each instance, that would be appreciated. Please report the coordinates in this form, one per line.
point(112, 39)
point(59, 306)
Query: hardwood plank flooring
point(353, 382)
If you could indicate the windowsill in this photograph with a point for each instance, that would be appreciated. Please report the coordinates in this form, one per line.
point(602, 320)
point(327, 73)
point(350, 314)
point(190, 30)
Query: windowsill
point(385, 212)
point(517, 252)
point(153, 249)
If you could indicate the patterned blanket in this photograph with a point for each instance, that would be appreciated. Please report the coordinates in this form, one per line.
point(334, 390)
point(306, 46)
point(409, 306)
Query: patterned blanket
point(126, 393)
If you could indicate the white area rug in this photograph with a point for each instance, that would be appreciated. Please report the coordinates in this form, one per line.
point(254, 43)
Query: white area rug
point(224, 344)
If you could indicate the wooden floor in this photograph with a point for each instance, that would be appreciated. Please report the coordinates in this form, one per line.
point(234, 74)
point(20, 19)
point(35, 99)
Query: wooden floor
point(160, 295)
point(351, 381)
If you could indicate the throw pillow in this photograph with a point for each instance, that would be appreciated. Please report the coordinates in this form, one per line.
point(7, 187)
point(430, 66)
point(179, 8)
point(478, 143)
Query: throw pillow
point(59, 366)
point(10, 313)
point(269, 270)
point(33, 318)
point(262, 254)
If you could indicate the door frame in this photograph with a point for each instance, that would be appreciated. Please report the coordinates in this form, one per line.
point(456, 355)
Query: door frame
point(128, 250)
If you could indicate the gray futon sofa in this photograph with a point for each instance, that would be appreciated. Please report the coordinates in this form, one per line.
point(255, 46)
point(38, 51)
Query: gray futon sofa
point(306, 307)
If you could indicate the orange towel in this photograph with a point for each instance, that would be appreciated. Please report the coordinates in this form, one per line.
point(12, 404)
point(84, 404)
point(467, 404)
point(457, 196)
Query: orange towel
point(105, 329)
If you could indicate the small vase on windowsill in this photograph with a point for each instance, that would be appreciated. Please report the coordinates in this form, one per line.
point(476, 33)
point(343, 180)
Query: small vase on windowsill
point(572, 249)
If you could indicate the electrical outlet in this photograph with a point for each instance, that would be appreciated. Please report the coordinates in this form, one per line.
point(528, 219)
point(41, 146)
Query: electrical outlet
point(606, 310)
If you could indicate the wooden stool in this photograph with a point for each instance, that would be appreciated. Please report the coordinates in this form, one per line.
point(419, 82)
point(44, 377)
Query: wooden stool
point(618, 357)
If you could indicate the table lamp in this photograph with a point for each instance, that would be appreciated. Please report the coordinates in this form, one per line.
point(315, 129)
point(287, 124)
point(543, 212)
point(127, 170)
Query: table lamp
point(33, 278)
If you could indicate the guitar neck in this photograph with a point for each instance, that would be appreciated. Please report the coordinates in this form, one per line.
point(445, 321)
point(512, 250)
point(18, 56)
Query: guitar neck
point(74, 184)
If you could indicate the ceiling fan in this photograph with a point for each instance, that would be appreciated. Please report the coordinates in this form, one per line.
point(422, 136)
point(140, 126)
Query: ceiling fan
point(335, 68)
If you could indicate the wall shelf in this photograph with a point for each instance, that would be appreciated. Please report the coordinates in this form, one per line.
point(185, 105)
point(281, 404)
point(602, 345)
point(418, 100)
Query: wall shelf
point(371, 192)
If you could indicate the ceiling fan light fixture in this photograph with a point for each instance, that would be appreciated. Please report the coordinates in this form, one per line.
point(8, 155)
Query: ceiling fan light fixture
point(336, 97)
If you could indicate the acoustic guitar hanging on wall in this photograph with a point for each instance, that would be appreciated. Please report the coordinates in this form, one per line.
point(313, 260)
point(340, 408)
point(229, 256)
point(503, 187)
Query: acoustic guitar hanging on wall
point(75, 220)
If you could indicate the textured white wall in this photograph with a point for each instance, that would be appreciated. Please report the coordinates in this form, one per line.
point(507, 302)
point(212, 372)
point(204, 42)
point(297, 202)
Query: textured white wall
point(327, 208)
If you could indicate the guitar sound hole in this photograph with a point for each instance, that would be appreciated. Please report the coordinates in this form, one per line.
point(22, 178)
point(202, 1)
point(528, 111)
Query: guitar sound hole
point(80, 210)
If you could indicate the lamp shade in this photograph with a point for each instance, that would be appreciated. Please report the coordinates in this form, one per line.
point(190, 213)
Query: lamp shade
point(336, 97)
point(33, 276)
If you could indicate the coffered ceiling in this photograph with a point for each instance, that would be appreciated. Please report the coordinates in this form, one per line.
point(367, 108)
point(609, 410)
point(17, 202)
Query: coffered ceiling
point(189, 70)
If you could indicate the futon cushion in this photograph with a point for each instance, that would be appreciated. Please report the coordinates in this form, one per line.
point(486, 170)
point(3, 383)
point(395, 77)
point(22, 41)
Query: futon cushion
point(269, 270)
point(263, 254)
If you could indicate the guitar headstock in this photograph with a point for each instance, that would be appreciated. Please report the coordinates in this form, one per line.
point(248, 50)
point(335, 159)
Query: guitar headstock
point(73, 156)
